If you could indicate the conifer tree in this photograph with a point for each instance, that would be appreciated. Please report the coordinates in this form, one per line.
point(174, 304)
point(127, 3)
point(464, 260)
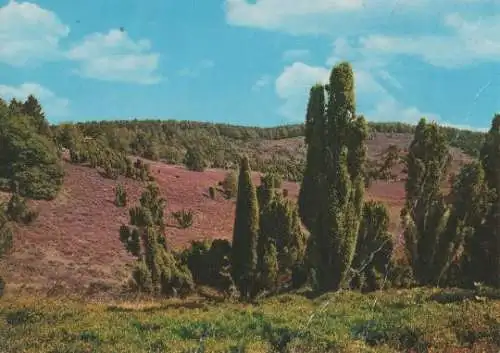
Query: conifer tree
point(471, 202)
point(120, 196)
point(4, 108)
point(230, 185)
point(315, 140)
point(157, 270)
point(15, 107)
point(32, 108)
point(374, 247)
point(425, 214)
point(282, 244)
point(391, 158)
point(490, 159)
point(267, 264)
point(341, 186)
point(28, 158)
point(194, 160)
point(269, 182)
point(245, 232)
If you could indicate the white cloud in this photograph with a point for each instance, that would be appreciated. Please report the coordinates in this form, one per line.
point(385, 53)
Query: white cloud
point(293, 86)
point(295, 54)
point(114, 56)
point(294, 83)
point(371, 85)
point(29, 34)
point(332, 16)
point(53, 105)
point(278, 14)
point(196, 70)
point(469, 42)
point(446, 33)
point(388, 109)
point(263, 81)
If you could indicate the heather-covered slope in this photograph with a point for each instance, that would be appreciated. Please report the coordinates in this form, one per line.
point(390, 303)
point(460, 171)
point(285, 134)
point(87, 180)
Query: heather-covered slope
point(74, 242)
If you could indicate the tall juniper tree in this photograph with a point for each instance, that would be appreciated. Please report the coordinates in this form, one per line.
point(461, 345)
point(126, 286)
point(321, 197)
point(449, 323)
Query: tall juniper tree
point(490, 159)
point(425, 214)
point(314, 138)
point(245, 233)
point(341, 184)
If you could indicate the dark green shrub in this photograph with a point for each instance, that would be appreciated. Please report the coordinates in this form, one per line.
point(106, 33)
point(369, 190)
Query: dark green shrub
point(299, 275)
point(400, 275)
point(28, 157)
point(18, 210)
point(120, 196)
point(208, 262)
point(230, 185)
point(110, 172)
point(373, 249)
point(194, 160)
point(142, 277)
point(74, 157)
point(184, 218)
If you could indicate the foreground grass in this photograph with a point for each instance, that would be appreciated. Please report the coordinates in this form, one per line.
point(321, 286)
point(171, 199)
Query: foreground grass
point(420, 320)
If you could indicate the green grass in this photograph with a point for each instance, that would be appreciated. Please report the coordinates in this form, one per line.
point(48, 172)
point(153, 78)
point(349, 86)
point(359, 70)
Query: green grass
point(395, 321)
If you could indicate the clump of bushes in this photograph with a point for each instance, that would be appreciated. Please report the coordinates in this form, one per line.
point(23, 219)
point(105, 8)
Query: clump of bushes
point(112, 163)
point(184, 218)
point(157, 269)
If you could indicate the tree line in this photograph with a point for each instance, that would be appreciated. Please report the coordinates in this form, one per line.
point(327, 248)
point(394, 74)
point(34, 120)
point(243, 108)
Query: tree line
point(200, 145)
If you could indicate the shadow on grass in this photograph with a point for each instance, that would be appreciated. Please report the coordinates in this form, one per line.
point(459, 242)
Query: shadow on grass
point(447, 296)
point(375, 333)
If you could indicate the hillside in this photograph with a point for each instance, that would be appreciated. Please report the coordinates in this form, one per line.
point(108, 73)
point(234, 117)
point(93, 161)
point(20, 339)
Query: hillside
point(279, 148)
point(74, 243)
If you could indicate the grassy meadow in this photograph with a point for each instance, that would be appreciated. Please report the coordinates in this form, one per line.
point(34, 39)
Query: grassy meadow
point(417, 320)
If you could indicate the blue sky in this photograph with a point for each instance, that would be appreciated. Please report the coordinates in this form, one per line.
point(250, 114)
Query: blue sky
point(251, 62)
